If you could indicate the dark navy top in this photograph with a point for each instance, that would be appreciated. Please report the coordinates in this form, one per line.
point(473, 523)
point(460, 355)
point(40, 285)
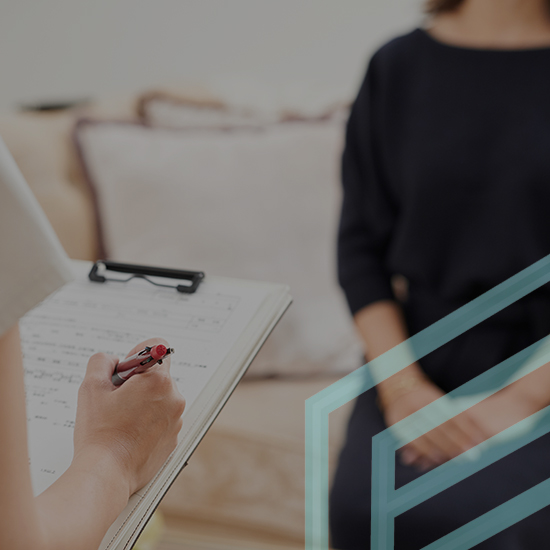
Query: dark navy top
point(446, 171)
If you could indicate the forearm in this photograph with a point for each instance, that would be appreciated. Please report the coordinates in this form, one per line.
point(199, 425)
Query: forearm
point(76, 511)
point(533, 389)
point(382, 327)
point(19, 526)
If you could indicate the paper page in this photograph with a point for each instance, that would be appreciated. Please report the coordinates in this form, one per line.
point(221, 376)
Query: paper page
point(83, 318)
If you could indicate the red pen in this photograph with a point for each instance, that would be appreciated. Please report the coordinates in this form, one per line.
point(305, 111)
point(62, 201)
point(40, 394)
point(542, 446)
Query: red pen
point(140, 362)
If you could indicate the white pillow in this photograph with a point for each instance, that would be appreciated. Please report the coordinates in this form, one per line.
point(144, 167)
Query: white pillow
point(257, 204)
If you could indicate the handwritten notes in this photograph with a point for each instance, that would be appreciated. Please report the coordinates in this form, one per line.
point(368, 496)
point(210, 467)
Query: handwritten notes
point(83, 318)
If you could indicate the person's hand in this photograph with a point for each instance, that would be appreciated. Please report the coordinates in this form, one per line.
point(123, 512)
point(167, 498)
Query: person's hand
point(502, 410)
point(444, 442)
point(135, 424)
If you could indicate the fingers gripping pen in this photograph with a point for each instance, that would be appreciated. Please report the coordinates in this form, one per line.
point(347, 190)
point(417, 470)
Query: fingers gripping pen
point(140, 362)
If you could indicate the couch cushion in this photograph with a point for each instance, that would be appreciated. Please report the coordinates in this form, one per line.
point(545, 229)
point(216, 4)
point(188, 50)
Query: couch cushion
point(169, 110)
point(193, 110)
point(252, 203)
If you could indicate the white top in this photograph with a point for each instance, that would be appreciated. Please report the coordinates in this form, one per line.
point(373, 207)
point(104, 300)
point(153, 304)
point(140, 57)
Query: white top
point(32, 261)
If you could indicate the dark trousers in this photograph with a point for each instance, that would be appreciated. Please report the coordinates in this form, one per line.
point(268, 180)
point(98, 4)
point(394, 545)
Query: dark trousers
point(449, 367)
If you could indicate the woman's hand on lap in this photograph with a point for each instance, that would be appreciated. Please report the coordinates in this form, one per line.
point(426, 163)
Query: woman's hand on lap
point(441, 444)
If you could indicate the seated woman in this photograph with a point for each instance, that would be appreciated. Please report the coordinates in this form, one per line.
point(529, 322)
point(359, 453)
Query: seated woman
point(446, 177)
point(114, 455)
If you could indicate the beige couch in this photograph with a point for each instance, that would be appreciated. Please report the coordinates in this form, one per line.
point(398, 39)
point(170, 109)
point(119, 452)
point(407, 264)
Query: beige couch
point(247, 477)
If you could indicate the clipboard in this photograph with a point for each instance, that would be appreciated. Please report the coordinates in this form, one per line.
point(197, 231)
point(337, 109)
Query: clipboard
point(230, 319)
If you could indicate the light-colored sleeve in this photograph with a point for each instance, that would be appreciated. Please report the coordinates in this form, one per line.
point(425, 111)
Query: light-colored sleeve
point(33, 263)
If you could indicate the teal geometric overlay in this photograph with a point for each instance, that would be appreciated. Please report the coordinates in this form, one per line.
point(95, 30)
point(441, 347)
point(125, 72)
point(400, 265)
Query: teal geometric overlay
point(387, 503)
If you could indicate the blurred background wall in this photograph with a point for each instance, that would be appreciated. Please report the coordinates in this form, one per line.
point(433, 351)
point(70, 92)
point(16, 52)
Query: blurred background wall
point(70, 49)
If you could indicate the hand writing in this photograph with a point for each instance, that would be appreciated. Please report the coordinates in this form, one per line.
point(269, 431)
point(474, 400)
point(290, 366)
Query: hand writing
point(135, 424)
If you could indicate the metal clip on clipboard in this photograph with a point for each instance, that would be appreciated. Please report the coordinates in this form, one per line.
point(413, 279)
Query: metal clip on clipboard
point(145, 272)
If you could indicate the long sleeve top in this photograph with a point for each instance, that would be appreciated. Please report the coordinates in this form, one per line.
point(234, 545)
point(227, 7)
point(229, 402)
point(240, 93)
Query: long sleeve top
point(446, 170)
